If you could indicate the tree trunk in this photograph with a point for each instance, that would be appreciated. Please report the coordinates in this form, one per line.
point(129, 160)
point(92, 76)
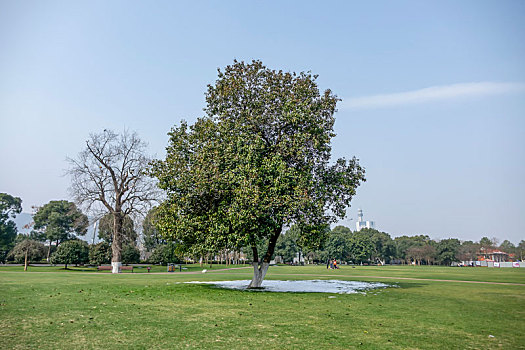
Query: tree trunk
point(48, 251)
point(261, 267)
point(116, 245)
point(25, 261)
point(259, 271)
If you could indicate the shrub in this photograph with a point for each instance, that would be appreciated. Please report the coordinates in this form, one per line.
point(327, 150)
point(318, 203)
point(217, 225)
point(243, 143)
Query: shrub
point(130, 254)
point(100, 253)
point(71, 252)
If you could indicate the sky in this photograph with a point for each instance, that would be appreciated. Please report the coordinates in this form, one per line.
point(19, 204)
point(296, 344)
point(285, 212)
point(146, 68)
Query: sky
point(433, 94)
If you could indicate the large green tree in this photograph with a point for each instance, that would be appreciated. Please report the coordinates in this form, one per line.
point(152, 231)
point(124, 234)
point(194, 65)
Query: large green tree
point(150, 233)
point(360, 246)
point(336, 244)
point(9, 207)
point(259, 161)
point(60, 221)
point(383, 245)
point(447, 250)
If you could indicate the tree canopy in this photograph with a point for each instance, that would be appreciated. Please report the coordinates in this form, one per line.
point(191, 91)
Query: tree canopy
point(60, 221)
point(9, 207)
point(71, 252)
point(100, 253)
point(27, 250)
point(150, 233)
point(259, 161)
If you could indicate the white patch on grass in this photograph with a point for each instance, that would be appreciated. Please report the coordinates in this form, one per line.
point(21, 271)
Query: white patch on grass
point(302, 286)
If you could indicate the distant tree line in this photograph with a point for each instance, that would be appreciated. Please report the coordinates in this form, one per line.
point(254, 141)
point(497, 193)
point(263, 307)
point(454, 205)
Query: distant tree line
point(375, 247)
point(55, 236)
point(57, 226)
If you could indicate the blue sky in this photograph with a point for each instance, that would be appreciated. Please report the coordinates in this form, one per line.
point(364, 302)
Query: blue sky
point(433, 93)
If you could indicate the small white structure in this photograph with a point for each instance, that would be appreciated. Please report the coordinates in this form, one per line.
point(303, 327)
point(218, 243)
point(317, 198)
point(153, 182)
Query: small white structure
point(361, 223)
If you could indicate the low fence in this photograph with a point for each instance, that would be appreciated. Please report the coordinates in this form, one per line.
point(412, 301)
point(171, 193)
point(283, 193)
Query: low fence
point(493, 264)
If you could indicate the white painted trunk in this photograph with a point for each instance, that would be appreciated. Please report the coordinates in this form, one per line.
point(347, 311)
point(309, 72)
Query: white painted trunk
point(116, 267)
point(259, 271)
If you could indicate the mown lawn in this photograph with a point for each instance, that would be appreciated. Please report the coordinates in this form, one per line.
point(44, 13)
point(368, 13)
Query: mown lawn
point(79, 310)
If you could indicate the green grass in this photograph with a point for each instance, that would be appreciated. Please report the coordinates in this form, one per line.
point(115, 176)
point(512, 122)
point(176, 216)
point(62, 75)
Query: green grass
point(77, 310)
point(137, 269)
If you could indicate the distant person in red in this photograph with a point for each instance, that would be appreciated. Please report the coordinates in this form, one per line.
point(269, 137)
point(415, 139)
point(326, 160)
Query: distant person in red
point(335, 264)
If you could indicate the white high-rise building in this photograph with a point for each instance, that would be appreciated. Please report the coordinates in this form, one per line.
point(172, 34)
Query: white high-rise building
point(361, 223)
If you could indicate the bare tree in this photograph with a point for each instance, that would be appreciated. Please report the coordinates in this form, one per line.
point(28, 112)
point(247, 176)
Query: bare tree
point(109, 175)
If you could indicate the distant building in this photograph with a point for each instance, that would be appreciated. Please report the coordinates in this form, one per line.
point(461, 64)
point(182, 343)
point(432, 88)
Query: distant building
point(361, 223)
point(494, 255)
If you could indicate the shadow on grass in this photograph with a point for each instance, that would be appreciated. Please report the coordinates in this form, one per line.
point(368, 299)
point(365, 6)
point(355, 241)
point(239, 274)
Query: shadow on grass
point(408, 285)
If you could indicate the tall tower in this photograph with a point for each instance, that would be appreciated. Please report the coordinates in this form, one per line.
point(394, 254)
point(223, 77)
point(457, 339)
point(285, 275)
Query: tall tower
point(361, 223)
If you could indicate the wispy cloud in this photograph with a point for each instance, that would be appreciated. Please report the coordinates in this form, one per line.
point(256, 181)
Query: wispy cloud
point(431, 94)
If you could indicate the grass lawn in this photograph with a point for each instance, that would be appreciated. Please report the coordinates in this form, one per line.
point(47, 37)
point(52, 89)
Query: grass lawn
point(84, 310)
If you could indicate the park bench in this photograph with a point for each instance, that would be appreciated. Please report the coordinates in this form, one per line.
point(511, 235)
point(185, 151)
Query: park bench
point(107, 267)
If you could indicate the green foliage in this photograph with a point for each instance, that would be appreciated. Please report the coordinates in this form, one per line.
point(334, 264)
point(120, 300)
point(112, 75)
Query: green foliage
point(130, 254)
point(447, 250)
point(508, 247)
point(486, 243)
point(100, 253)
point(384, 248)
point(9, 207)
point(60, 221)
point(412, 248)
point(257, 162)
point(165, 253)
point(33, 249)
point(336, 246)
point(520, 250)
point(71, 252)
point(360, 246)
point(468, 251)
point(151, 234)
point(106, 226)
point(287, 244)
